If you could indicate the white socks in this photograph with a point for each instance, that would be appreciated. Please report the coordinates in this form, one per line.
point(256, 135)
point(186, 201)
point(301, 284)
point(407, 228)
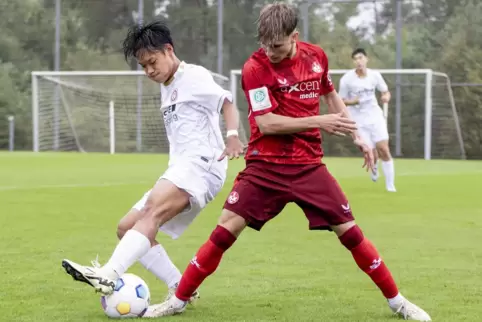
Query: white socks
point(131, 248)
point(396, 302)
point(158, 263)
point(389, 172)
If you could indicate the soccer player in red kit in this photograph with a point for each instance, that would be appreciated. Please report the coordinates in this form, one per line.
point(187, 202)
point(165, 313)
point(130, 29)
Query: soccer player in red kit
point(283, 82)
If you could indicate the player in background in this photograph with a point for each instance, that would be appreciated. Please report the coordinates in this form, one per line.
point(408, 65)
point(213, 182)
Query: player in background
point(357, 89)
point(191, 106)
point(283, 82)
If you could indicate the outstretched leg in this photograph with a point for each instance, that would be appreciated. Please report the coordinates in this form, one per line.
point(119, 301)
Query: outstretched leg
point(204, 263)
point(164, 202)
point(369, 261)
point(387, 165)
point(156, 260)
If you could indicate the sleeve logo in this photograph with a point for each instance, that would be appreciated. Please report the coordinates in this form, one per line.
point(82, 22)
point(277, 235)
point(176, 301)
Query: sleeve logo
point(259, 99)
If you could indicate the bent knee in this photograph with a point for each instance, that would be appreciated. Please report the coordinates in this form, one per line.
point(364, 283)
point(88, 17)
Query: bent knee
point(343, 228)
point(127, 222)
point(123, 226)
point(384, 151)
point(233, 222)
point(163, 212)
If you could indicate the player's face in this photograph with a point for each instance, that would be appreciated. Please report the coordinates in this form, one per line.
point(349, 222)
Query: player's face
point(279, 50)
point(360, 61)
point(158, 65)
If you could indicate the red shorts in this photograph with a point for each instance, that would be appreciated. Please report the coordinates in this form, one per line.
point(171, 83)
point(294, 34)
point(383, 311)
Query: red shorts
point(262, 190)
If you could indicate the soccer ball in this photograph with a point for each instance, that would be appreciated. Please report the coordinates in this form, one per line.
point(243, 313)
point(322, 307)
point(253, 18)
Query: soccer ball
point(130, 299)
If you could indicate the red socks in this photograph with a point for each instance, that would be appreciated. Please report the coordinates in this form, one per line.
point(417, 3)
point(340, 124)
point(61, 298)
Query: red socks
point(204, 262)
point(209, 256)
point(367, 258)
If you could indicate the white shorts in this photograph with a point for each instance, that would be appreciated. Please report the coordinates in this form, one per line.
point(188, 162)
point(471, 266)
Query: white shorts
point(374, 133)
point(200, 181)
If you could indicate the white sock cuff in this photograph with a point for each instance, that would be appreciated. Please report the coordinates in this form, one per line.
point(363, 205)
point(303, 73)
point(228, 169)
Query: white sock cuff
point(150, 257)
point(134, 235)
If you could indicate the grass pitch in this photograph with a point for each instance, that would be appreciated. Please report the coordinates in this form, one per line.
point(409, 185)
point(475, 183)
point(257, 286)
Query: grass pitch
point(67, 205)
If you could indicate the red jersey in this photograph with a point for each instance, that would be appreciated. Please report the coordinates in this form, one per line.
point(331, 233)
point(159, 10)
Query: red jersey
point(290, 88)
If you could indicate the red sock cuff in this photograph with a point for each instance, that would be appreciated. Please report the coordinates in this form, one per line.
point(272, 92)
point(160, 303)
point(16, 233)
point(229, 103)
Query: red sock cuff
point(352, 237)
point(222, 238)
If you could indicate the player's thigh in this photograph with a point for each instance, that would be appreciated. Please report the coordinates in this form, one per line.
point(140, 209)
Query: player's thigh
point(256, 197)
point(381, 139)
point(323, 201)
point(166, 200)
point(366, 135)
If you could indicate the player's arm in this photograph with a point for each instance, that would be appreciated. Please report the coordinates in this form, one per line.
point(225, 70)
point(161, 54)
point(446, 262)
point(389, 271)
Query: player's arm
point(271, 123)
point(383, 88)
point(337, 105)
point(343, 92)
point(234, 147)
point(210, 95)
point(262, 106)
point(231, 117)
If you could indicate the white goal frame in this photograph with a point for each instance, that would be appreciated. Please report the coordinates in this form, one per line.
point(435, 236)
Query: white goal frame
point(429, 73)
point(36, 108)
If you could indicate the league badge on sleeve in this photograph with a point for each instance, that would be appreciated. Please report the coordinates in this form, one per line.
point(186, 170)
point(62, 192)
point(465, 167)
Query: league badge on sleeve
point(259, 99)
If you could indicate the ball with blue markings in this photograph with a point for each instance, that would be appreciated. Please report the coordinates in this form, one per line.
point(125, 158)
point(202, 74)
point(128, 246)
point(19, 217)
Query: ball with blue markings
point(130, 299)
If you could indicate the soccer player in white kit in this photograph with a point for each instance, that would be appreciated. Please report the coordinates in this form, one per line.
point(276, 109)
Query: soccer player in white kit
point(191, 105)
point(358, 91)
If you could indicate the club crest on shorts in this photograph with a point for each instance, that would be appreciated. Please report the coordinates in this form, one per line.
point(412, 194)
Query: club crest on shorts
point(174, 95)
point(233, 197)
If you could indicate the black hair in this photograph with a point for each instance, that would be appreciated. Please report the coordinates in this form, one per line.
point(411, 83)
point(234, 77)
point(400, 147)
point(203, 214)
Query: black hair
point(358, 51)
point(153, 36)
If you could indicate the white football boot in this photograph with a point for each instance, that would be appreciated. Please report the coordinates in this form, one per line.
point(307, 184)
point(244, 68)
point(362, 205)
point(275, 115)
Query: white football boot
point(409, 311)
point(173, 306)
point(170, 294)
point(172, 291)
point(91, 275)
point(391, 188)
point(374, 173)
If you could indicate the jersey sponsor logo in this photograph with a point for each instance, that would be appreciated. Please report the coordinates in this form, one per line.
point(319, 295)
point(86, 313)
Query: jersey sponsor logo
point(312, 87)
point(169, 114)
point(259, 99)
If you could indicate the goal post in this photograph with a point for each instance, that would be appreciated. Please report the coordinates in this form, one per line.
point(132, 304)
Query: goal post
point(101, 111)
point(428, 116)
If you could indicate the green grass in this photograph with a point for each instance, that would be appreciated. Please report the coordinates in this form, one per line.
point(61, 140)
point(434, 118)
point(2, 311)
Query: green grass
point(67, 205)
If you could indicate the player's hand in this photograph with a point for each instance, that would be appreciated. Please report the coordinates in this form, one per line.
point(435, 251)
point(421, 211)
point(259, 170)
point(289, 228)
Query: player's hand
point(234, 148)
point(385, 99)
point(337, 124)
point(367, 154)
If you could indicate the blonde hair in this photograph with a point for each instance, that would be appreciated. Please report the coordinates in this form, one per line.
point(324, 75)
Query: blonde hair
point(276, 21)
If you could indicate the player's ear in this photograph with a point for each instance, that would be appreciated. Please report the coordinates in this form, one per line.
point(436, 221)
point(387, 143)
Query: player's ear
point(295, 36)
point(168, 49)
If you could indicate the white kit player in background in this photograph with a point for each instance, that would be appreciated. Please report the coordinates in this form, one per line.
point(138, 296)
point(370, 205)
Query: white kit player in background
point(191, 106)
point(358, 91)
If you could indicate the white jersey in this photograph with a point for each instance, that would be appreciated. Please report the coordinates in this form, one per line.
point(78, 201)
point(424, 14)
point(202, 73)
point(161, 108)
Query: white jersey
point(191, 106)
point(351, 86)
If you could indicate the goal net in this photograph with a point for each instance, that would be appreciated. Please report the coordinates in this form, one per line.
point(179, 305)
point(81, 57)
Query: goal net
point(424, 123)
point(116, 112)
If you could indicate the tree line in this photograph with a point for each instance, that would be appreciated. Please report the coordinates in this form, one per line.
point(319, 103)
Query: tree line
point(444, 35)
